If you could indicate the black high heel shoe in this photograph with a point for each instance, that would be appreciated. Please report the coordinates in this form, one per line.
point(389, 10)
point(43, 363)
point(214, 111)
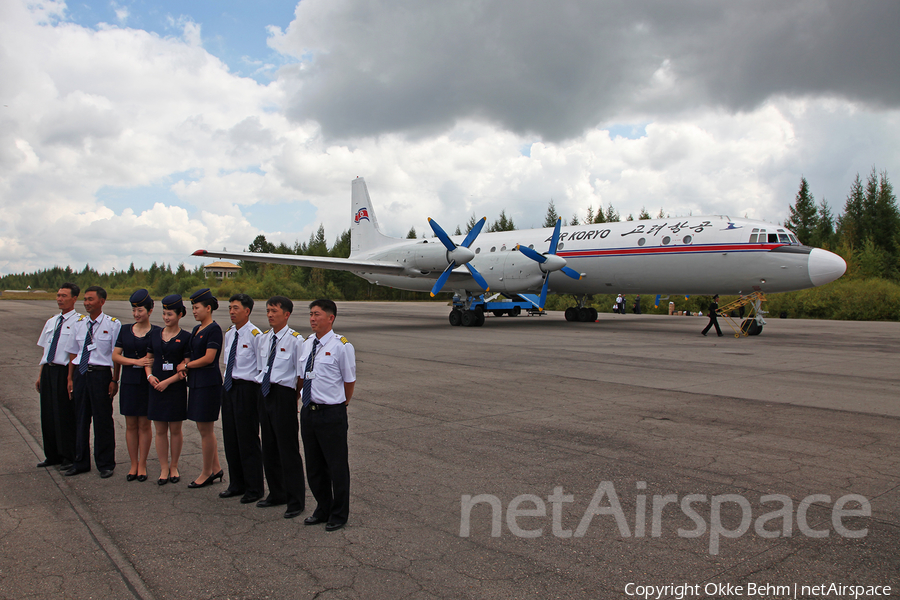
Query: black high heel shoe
point(209, 480)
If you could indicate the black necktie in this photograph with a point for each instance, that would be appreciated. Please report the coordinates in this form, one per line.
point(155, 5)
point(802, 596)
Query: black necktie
point(51, 353)
point(307, 382)
point(85, 352)
point(231, 360)
point(266, 386)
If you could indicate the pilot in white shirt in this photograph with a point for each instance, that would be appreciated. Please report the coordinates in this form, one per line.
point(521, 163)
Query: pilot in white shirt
point(57, 407)
point(93, 382)
point(279, 349)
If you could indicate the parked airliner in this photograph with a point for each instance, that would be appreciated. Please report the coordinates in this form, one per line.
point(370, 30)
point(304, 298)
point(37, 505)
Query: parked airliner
point(681, 255)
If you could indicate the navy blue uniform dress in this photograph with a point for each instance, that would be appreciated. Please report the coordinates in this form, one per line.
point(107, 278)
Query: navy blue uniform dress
point(134, 390)
point(171, 403)
point(205, 383)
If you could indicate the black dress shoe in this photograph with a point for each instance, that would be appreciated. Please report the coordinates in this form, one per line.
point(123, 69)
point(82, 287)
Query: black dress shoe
point(106, 474)
point(250, 498)
point(75, 471)
point(313, 520)
point(142, 478)
point(268, 503)
point(175, 478)
point(65, 466)
point(47, 463)
point(290, 514)
point(333, 526)
point(130, 477)
point(230, 494)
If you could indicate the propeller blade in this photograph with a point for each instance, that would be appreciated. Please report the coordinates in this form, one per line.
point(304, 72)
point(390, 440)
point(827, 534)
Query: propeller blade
point(478, 278)
point(571, 273)
point(544, 291)
point(470, 237)
point(442, 235)
point(555, 240)
point(442, 280)
point(533, 255)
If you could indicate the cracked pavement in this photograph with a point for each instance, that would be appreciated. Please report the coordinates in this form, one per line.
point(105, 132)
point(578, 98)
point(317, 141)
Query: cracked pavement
point(512, 410)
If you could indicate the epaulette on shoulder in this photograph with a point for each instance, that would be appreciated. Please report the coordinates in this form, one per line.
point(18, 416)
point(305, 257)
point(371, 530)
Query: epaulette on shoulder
point(114, 320)
point(230, 328)
point(81, 318)
point(255, 332)
point(295, 333)
point(267, 331)
point(344, 340)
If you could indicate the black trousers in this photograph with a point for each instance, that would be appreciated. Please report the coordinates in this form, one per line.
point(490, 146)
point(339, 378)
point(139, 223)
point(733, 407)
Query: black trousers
point(240, 435)
point(281, 447)
point(327, 465)
point(713, 320)
point(57, 414)
point(93, 403)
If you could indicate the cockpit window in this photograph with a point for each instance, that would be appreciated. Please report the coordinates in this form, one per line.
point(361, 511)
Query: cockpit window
point(773, 238)
point(783, 238)
point(793, 239)
point(753, 237)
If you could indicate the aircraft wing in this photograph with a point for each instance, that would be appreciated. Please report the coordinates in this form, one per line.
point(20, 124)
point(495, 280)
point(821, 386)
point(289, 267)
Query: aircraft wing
point(319, 262)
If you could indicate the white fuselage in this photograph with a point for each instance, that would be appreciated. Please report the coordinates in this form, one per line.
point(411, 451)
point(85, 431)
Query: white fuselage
point(685, 255)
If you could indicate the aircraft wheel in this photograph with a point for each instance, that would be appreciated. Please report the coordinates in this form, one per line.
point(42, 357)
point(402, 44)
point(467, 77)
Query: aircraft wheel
point(455, 317)
point(755, 328)
point(498, 313)
point(468, 318)
point(745, 326)
point(571, 314)
point(584, 315)
point(515, 311)
point(594, 314)
point(479, 318)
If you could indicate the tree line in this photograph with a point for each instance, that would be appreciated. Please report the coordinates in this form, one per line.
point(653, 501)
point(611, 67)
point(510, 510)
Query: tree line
point(866, 234)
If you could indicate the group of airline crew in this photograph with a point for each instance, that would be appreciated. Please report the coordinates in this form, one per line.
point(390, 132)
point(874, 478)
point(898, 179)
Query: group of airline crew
point(169, 375)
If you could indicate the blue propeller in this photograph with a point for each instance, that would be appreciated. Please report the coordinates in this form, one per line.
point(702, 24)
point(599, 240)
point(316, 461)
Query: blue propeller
point(549, 261)
point(458, 255)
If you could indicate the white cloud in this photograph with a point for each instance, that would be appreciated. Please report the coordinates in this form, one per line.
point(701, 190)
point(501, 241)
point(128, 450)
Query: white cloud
point(89, 110)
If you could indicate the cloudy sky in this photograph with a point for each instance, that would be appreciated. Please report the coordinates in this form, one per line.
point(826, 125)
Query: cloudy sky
point(142, 130)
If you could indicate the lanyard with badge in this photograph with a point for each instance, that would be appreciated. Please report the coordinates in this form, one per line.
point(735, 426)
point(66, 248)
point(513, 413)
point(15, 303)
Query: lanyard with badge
point(310, 363)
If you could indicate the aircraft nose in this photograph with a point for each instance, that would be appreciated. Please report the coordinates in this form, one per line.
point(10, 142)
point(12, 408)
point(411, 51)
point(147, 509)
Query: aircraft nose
point(825, 266)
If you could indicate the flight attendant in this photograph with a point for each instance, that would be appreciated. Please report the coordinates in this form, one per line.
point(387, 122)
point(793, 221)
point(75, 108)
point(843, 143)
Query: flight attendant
point(205, 383)
point(130, 353)
point(167, 401)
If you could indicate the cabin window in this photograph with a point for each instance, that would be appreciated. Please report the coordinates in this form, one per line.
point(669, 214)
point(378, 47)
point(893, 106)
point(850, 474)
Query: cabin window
point(531, 246)
point(561, 246)
point(753, 238)
point(773, 238)
point(666, 240)
point(477, 250)
point(493, 248)
point(503, 248)
point(783, 238)
point(687, 239)
point(642, 241)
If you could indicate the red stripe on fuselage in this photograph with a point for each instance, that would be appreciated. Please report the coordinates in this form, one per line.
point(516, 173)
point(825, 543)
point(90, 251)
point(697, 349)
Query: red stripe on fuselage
point(669, 250)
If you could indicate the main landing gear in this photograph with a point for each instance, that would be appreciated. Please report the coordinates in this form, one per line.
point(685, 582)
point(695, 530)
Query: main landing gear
point(581, 313)
point(467, 318)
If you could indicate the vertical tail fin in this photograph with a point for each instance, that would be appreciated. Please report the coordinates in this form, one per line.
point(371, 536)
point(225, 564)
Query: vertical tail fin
point(364, 231)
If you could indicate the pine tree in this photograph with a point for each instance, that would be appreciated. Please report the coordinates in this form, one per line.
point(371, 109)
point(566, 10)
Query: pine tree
point(412, 233)
point(574, 220)
point(471, 224)
point(850, 223)
point(504, 223)
point(590, 215)
point(802, 219)
point(644, 215)
point(612, 215)
point(551, 218)
point(823, 236)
